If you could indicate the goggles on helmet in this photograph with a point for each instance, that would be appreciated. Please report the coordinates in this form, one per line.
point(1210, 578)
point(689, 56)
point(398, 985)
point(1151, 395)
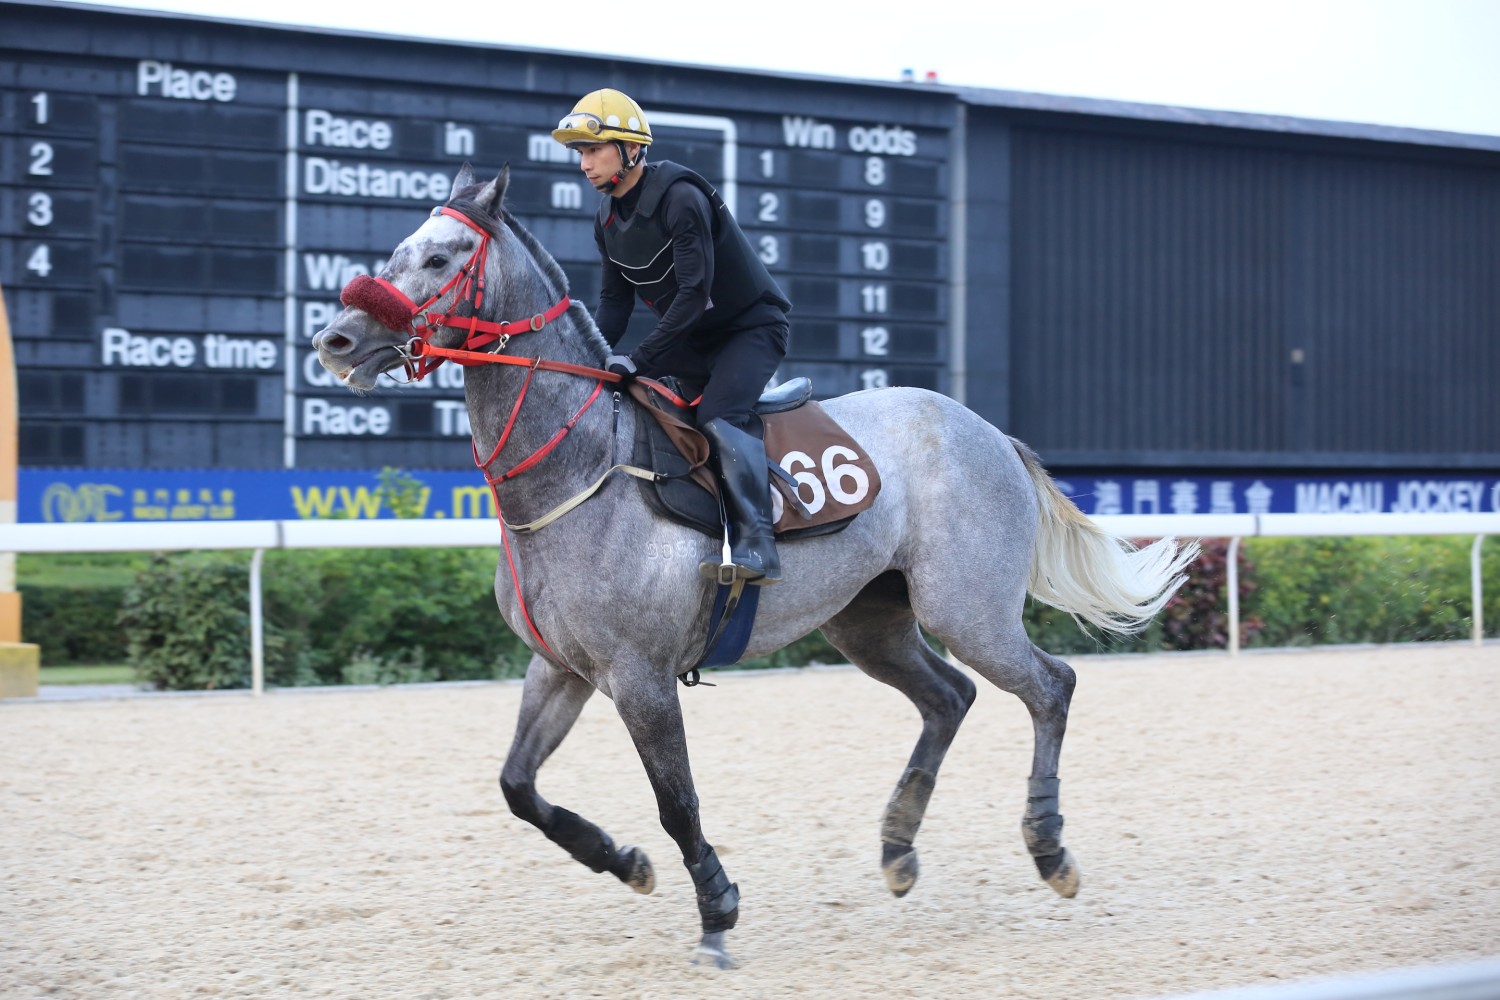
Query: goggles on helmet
point(582, 120)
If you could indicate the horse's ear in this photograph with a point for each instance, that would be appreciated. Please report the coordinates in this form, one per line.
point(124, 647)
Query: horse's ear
point(493, 194)
point(464, 178)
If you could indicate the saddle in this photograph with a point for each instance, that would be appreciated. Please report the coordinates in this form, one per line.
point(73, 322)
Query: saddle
point(820, 476)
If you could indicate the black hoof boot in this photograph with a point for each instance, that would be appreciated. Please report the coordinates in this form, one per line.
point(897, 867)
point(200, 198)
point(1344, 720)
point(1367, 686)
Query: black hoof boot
point(718, 898)
point(718, 905)
point(592, 847)
point(1042, 828)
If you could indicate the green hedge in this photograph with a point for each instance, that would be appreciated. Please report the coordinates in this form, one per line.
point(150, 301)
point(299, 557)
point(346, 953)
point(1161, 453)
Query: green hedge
point(384, 616)
point(70, 603)
point(1344, 590)
point(188, 622)
point(346, 616)
point(73, 625)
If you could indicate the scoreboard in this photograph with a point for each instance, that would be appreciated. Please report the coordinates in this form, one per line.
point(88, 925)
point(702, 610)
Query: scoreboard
point(182, 200)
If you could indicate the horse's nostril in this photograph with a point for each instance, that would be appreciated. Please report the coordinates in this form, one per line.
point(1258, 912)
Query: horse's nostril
point(333, 343)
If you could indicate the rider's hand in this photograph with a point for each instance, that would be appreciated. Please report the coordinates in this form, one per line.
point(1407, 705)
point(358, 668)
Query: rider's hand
point(622, 365)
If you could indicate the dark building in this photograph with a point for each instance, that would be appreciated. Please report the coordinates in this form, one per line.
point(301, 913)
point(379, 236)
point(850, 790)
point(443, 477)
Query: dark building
point(1232, 291)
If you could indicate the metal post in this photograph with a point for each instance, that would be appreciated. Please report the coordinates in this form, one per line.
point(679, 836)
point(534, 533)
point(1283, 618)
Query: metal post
point(1477, 583)
point(1233, 583)
point(257, 629)
point(10, 436)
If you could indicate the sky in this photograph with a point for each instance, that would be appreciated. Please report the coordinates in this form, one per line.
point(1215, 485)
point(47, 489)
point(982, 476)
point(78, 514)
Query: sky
point(1432, 64)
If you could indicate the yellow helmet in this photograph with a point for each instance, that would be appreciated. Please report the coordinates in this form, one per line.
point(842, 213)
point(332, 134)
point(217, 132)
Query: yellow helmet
point(604, 116)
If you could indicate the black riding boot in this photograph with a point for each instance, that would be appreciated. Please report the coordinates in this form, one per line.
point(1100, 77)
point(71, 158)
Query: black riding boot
point(746, 490)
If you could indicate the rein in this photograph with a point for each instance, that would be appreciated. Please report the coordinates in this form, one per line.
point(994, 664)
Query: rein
point(535, 458)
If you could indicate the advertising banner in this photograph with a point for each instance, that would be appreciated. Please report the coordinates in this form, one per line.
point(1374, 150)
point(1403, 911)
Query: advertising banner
point(74, 495)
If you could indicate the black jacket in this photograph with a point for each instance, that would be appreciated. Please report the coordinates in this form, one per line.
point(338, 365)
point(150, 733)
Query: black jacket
point(672, 241)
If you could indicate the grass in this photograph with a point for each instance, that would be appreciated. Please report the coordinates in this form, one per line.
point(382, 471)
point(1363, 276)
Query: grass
point(104, 673)
point(80, 569)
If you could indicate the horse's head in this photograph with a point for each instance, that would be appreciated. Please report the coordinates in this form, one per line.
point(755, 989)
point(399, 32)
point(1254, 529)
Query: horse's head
point(439, 269)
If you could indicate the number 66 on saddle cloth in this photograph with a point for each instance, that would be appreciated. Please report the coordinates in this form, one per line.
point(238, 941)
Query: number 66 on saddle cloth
point(829, 474)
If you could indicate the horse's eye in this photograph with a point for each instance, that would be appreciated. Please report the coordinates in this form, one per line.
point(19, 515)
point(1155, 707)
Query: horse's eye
point(436, 261)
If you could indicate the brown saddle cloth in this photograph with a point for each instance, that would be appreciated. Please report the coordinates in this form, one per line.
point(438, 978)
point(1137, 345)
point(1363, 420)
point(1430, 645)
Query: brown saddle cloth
point(822, 480)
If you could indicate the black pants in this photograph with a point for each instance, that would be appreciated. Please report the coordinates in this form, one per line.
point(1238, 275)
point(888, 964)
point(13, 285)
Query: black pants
point(731, 376)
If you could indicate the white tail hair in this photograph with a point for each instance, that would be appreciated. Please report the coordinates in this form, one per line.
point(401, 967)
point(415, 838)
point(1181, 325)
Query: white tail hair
point(1092, 575)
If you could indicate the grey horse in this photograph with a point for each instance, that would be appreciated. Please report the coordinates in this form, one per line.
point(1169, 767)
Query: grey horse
point(609, 596)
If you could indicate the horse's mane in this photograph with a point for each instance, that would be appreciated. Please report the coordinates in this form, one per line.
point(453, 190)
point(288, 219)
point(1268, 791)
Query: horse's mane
point(463, 201)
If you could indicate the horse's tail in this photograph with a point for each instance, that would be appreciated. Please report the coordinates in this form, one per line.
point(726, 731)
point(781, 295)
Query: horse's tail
point(1093, 575)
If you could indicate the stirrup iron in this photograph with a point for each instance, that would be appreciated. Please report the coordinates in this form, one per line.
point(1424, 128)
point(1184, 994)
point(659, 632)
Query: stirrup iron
point(724, 573)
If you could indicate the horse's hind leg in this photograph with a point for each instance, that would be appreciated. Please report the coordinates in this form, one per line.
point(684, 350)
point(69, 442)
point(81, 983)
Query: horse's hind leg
point(1044, 684)
point(879, 634)
point(550, 703)
point(1042, 824)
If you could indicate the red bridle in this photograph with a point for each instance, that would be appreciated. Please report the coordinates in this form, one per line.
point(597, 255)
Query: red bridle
point(392, 309)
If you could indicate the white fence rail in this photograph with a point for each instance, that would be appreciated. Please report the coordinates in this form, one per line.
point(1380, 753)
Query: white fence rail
point(484, 532)
point(1238, 526)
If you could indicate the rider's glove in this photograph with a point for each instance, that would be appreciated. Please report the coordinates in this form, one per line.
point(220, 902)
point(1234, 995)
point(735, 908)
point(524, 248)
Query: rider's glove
point(622, 365)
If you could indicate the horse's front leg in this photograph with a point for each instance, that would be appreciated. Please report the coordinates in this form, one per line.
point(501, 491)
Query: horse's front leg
point(550, 703)
point(650, 710)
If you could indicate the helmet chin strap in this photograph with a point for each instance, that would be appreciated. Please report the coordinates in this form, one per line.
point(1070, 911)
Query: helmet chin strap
point(626, 166)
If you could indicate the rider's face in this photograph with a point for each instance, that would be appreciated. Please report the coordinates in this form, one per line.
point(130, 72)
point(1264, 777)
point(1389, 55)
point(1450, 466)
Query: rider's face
point(600, 161)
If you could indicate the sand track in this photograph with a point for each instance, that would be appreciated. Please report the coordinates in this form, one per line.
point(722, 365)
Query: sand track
point(1282, 816)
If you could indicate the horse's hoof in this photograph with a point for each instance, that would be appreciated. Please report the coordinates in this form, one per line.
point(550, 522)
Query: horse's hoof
point(636, 870)
point(710, 951)
point(1060, 872)
point(901, 869)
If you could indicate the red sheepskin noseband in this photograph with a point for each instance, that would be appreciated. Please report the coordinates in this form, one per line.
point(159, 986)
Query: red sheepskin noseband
point(385, 303)
point(389, 306)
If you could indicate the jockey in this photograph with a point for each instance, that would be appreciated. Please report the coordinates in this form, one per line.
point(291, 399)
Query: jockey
point(665, 235)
